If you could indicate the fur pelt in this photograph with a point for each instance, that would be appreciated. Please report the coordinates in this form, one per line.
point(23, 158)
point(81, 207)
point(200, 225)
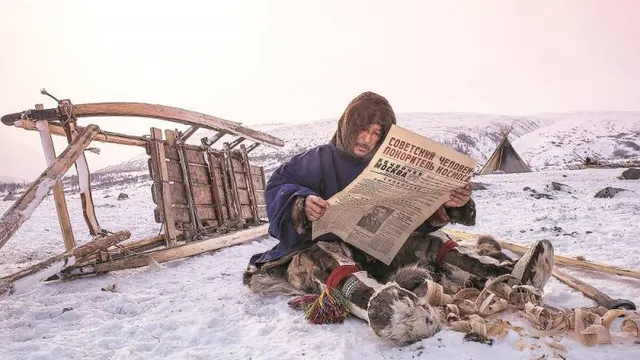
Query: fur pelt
point(266, 284)
point(400, 316)
point(535, 267)
point(411, 277)
point(489, 246)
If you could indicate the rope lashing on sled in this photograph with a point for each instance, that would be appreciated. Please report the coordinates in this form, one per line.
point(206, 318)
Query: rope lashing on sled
point(331, 306)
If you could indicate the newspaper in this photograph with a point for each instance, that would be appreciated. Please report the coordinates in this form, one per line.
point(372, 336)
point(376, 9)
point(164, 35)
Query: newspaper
point(407, 180)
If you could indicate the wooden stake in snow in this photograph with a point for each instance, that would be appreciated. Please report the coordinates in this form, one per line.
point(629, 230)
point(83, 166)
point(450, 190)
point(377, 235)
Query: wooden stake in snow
point(22, 209)
point(41, 271)
point(58, 192)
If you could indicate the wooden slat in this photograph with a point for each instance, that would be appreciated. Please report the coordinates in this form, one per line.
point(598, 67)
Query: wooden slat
point(102, 136)
point(221, 194)
point(249, 177)
point(160, 170)
point(174, 171)
point(58, 191)
point(187, 134)
point(202, 194)
point(214, 188)
point(257, 182)
point(188, 187)
point(247, 213)
point(205, 212)
point(252, 147)
point(18, 213)
point(243, 196)
point(264, 180)
point(84, 182)
point(237, 165)
point(176, 115)
point(189, 249)
point(199, 174)
point(227, 200)
point(241, 181)
point(207, 142)
point(234, 199)
point(256, 170)
point(262, 212)
point(170, 138)
point(260, 200)
point(235, 142)
point(193, 156)
point(181, 214)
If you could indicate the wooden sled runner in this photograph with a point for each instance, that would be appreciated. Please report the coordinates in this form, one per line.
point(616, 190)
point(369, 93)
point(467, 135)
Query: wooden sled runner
point(205, 198)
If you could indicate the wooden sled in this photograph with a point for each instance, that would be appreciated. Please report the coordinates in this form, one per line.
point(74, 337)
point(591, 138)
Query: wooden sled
point(206, 198)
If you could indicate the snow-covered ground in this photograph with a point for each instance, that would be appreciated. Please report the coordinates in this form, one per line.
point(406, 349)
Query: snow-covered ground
point(197, 308)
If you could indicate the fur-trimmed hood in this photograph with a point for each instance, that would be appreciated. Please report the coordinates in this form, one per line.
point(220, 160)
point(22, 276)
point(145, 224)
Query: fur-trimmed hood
point(366, 109)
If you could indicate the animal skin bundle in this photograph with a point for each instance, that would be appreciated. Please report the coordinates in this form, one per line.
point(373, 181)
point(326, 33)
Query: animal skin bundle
point(411, 307)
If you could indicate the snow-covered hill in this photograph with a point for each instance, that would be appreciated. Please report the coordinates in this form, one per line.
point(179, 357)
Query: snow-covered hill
point(545, 141)
point(11, 179)
point(474, 134)
point(136, 164)
point(609, 137)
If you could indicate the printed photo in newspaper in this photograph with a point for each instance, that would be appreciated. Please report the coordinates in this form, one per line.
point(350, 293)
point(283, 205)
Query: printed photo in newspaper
point(407, 180)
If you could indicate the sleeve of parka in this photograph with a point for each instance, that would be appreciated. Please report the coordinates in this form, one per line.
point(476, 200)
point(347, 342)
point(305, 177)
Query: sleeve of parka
point(300, 176)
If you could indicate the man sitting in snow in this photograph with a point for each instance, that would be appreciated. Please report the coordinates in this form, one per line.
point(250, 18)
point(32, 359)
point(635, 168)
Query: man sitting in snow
point(296, 196)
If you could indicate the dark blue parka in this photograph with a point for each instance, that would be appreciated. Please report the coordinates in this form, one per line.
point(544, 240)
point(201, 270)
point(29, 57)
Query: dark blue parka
point(323, 171)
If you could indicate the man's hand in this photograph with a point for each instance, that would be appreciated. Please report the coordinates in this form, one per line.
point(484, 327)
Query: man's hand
point(460, 196)
point(315, 207)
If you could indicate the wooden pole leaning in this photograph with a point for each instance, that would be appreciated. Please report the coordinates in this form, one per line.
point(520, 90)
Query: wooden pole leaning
point(23, 208)
point(58, 191)
point(84, 176)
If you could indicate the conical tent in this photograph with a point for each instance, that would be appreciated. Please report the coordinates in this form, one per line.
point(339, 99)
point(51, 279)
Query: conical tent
point(505, 159)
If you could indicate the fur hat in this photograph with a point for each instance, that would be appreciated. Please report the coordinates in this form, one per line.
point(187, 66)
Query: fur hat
point(366, 109)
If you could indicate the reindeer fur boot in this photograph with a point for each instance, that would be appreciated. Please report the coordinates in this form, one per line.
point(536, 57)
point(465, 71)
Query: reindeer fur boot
point(533, 268)
point(393, 312)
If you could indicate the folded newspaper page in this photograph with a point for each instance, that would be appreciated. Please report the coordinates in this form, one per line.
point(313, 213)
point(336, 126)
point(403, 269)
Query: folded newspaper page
point(407, 180)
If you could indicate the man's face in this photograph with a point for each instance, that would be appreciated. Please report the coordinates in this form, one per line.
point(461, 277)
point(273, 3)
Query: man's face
point(366, 140)
point(380, 211)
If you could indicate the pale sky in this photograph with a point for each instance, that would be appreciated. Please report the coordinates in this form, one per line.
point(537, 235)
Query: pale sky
point(298, 61)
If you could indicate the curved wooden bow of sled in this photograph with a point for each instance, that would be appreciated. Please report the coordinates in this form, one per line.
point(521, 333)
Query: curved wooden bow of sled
point(134, 109)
